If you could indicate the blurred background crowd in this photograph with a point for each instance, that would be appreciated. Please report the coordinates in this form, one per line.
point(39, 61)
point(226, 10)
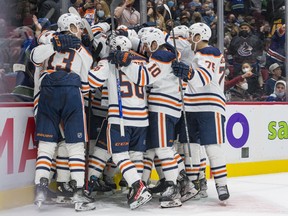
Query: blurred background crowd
point(254, 36)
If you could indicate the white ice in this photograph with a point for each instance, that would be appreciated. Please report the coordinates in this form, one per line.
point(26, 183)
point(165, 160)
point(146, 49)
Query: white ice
point(261, 195)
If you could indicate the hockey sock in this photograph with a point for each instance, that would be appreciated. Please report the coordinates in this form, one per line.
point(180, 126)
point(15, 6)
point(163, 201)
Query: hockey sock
point(77, 162)
point(218, 165)
point(45, 154)
point(127, 168)
point(168, 163)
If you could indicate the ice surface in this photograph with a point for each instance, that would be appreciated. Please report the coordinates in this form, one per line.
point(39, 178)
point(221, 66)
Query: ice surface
point(261, 195)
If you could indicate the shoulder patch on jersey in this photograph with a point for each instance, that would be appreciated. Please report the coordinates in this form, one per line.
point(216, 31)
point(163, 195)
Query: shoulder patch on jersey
point(210, 51)
point(163, 56)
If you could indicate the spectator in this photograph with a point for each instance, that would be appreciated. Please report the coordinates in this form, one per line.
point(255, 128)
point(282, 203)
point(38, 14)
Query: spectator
point(45, 6)
point(239, 92)
point(245, 47)
point(153, 15)
point(126, 14)
point(275, 70)
point(231, 83)
point(276, 51)
point(279, 92)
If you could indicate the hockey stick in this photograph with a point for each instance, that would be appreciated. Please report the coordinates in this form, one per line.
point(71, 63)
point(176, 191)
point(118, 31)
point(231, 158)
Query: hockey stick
point(181, 87)
point(73, 10)
point(113, 5)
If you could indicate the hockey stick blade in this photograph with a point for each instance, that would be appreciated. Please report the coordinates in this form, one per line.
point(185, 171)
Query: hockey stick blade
point(73, 10)
point(168, 10)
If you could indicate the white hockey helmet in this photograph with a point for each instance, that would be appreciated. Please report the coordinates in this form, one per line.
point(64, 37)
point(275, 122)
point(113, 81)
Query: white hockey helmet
point(124, 27)
point(66, 20)
point(181, 30)
point(143, 30)
point(153, 35)
point(202, 29)
point(123, 43)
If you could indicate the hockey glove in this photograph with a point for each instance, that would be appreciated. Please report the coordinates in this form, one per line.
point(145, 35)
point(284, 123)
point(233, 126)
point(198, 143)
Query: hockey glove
point(120, 58)
point(122, 32)
point(182, 70)
point(64, 42)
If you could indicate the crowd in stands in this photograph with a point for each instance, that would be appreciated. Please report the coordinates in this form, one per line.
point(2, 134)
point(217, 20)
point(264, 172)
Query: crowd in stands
point(254, 35)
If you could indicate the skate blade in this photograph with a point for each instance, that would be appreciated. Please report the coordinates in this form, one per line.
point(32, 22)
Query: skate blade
point(106, 193)
point(145, 197)
point(203, 194)
point(171, 204)
point(224, 203)
point(38, 203)
point(189, 195)
point(64, 200)
point(84, 207)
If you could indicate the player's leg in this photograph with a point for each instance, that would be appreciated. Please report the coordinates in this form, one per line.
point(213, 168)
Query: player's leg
point(213, 124)
point(120, 147)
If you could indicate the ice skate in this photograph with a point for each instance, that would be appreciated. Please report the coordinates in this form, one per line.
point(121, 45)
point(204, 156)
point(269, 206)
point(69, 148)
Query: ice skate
point(187, 188)
point(123, 184)
point(64, 193)
point(171, 196)
point(41, 192)
point(96, 184)
point(203, 188)
point(81, 198)
point(159, 187)
point(138, 195)
point(223, 194)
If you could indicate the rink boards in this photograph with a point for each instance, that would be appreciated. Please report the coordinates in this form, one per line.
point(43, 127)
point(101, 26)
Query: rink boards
point(256, 143)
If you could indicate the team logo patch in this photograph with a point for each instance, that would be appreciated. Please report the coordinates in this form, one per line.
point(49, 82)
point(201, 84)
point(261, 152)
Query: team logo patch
point(79, 135)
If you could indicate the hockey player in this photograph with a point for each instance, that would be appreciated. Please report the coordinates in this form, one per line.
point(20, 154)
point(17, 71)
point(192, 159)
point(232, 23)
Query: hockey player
point(65, 64)
point(205, 104)
point(127, 151)
point(164, 110)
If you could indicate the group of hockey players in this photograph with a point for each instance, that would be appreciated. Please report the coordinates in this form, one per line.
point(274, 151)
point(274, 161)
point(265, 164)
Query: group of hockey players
point(136, 84)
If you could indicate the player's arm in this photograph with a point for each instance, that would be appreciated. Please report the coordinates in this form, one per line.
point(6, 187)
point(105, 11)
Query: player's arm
point(98, 75)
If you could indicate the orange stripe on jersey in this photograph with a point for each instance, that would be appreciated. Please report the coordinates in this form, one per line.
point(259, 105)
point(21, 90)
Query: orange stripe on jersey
point(158, 161)
point(218, 122)
point(148, 163)
point(192, 170)
point(43, 163)
point(165, 101)
point(96, 103)
point(95, 29)
point(136, 113)
point(97, 163)
point(138, 166)
point(84, 119)
point(204, 99)
point(36, 101)
point(61, 163)
point(126, 164)
point(143, 77)
point(219, 172)
point(162, 132)
point(169, 163)
point(204, 75)
point(77, 165)
point(94, 83)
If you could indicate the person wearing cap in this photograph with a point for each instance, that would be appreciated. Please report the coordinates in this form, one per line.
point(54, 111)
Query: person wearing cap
point(279, 93)
point(275, 73)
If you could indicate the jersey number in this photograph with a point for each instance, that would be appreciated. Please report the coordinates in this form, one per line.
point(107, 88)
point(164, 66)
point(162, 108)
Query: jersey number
point(130, 89)
point(66, 64)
